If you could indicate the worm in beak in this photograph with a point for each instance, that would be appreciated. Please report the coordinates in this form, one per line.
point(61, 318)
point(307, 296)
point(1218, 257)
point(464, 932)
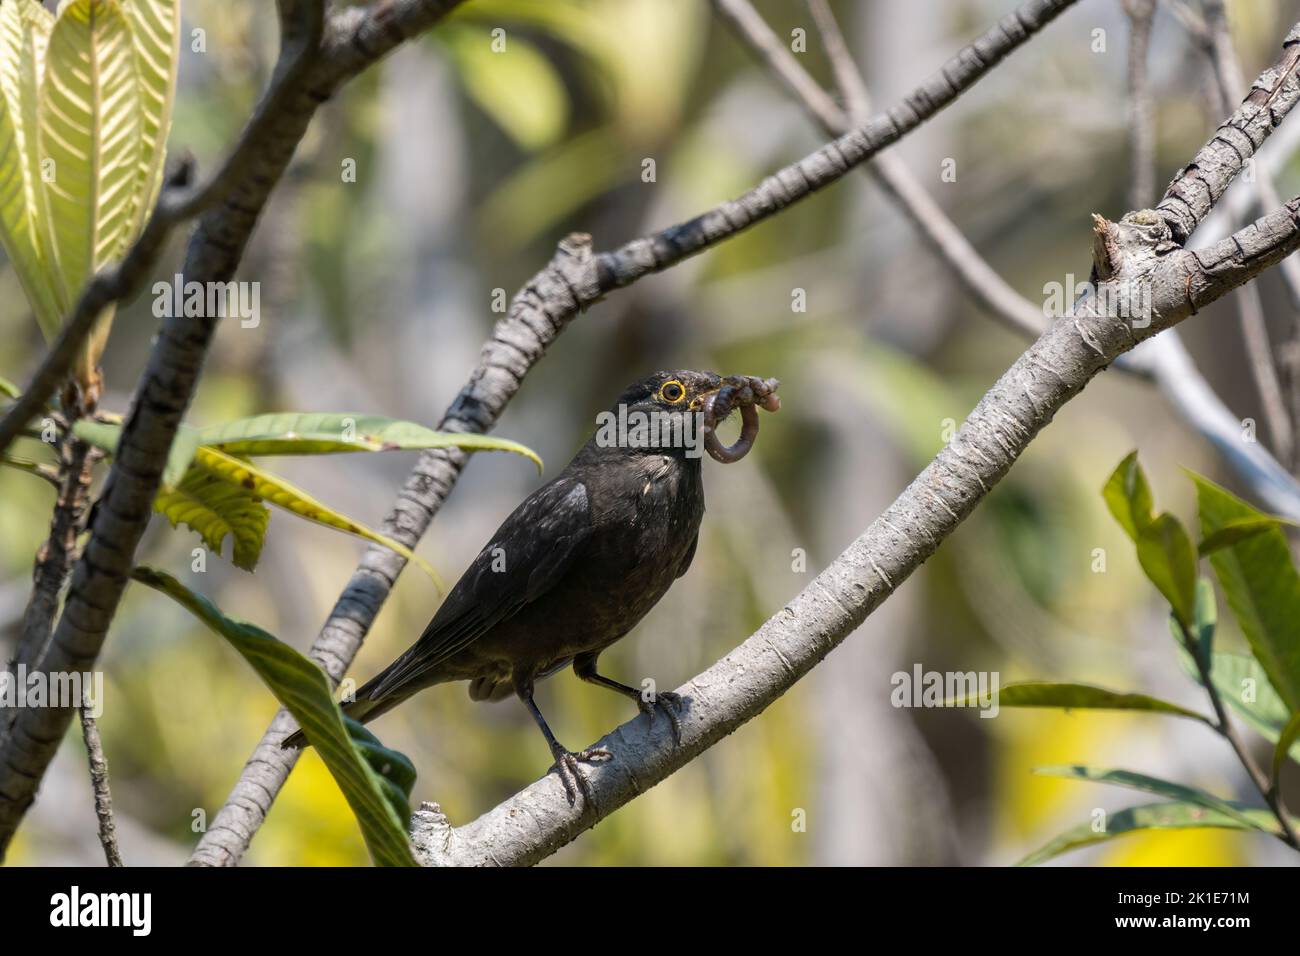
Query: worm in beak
point(747, 393)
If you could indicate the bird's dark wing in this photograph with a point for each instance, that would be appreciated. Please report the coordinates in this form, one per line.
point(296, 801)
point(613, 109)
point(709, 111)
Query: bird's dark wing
point(689, 556)
point(525, 558)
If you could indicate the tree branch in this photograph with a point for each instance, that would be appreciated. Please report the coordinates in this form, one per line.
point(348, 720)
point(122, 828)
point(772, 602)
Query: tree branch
point(537, 821)
point(99, 784)
point(1163, 360)
point(55, 557)
point(316, 57)
point(575, 279)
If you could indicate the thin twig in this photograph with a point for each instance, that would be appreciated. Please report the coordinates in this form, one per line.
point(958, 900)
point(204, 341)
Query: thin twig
point(99, 783)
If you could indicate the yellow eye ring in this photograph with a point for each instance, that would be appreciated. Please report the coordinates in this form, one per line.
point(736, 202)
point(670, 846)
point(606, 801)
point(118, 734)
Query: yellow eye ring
point(672, 391)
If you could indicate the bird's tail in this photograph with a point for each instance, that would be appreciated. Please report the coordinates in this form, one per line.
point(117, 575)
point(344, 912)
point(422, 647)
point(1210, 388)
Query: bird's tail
point(362, 709)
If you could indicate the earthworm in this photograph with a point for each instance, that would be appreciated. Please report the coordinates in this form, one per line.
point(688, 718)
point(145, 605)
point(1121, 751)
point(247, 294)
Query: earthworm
point(745, 392)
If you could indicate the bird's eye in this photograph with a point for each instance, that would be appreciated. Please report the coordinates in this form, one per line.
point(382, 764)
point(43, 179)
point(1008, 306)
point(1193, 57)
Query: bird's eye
point(672, 391)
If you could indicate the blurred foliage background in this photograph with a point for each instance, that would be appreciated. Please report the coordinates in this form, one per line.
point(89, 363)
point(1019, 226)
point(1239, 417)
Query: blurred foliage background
point(376, 295)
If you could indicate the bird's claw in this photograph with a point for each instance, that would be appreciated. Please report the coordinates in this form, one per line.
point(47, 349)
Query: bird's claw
point(571, 775)
point(671, 704)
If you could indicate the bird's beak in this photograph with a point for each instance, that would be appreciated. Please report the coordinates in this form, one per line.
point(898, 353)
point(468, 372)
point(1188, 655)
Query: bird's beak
point(698, 400)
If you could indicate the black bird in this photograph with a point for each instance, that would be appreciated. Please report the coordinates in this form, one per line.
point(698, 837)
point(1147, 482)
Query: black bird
point(572, 570)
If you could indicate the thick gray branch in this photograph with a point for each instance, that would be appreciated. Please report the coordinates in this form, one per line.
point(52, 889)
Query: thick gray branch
point(537, 821)
point(1163, 360)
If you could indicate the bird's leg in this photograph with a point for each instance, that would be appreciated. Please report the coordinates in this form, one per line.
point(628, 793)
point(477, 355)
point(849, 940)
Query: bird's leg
point(584, 665)
point(566, 761)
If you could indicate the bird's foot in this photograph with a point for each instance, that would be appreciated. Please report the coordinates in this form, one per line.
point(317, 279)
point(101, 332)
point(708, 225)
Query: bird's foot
point(670, 704)
point(571, 775)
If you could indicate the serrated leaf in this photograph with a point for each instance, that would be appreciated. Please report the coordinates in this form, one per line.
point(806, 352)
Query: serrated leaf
point(1262, 587)
point(1148, 784)
point(24, 35)
point(1128, 496)
point(216, 509)
point(106, 435)
point(1072, 696)
point(155, 32)
point(322, 433)
point(1154, 816)
point(89, 129)
point(304, 690)
point(282, 494)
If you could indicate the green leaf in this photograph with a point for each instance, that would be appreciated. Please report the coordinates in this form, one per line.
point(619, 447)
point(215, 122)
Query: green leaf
point(210, 505)
point(1165, 788)
point(1128, 496)
point(90, 133)
point(1072, 696)
point(7, 387)
point(1237, 677)
point(1239, 530)
point(1154, 816)
point(1166, 554)
point(155, 34)
point(304, 690)
point(282, 494)
point(1285, 742)
point(1262, 587)
point(106, 435)
point(321, 433)
point(90, 139)
point(394, 769)
point(24, 36)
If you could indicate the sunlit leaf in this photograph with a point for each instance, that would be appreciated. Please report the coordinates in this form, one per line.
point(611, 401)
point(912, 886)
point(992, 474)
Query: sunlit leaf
point(24, 35)
point(1128, 496)
point(282, 494)
point(106, 435)
point(1155, 816)
point(1148, 784)
point(1262, 587)
point(1165, 552)
point(90, 138)
point(1070, 696)
point(155, 32)
point(1239, 530)
point(319, 433)
point(304, 690)
point(215, 508)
